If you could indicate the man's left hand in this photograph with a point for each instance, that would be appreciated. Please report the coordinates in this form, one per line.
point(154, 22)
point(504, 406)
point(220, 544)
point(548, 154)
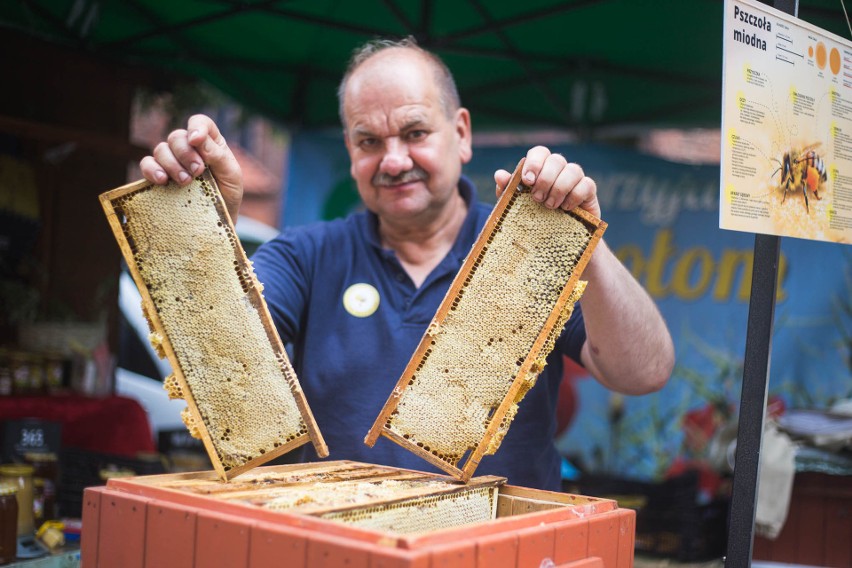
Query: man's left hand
point(554, 181)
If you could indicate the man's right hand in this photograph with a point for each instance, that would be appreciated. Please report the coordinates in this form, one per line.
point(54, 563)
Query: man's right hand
point(185, 154)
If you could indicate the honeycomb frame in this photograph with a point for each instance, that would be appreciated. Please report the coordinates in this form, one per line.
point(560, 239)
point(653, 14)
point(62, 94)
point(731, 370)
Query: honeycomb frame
point(155, 209)
point(424, 422)
point(368, 496)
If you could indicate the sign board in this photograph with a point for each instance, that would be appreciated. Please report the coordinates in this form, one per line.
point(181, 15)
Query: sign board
point(29, 435)
point(786, 126)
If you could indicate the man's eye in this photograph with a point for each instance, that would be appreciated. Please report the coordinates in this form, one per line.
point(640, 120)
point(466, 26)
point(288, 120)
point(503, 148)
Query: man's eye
point(417, 135)
point(368, 143)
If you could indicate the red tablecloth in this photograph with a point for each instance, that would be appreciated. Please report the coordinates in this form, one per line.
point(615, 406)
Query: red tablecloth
point(110, 425)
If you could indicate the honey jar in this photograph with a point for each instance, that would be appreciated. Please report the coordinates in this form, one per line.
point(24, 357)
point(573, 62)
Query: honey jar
point(8, 523)
point(45, 480)
point(21, 476)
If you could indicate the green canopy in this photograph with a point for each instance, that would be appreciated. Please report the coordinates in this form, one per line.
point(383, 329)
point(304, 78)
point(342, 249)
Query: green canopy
point(530, 63)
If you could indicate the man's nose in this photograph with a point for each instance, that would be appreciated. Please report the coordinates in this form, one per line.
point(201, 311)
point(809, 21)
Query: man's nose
point(396, 159)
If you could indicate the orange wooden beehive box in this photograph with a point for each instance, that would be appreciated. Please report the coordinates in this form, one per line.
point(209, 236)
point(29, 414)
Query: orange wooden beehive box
point(196, 520)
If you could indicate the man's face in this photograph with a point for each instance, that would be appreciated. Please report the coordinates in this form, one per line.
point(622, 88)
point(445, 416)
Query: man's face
point(406, 153)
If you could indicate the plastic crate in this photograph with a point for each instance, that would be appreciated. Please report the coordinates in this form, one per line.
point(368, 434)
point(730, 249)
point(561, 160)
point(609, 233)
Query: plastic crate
point(670, 522)
point(79, 469)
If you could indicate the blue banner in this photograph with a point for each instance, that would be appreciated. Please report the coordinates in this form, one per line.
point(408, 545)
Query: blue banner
point(663, 224)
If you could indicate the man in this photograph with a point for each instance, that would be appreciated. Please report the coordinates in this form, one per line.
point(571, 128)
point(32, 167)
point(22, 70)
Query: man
point(355, 295)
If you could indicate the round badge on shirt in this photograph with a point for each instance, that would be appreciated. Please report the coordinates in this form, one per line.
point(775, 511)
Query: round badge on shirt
point(361, 300)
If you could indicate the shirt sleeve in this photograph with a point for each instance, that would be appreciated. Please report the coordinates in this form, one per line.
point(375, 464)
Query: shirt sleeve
point(282, 265)
point(573, 336)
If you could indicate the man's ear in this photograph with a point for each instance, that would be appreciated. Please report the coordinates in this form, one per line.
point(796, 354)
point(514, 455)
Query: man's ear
point(463, 131)
point(348, 145)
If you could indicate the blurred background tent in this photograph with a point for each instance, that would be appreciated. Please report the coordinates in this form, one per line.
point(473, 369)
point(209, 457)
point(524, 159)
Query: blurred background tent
point(581, 64)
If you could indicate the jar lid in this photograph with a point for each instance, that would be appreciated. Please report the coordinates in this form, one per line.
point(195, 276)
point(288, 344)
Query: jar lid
point(8, 489)
point(40, 457)
point(15, 469)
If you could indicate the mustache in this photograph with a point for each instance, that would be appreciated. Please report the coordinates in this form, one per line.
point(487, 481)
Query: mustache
point(416, 173)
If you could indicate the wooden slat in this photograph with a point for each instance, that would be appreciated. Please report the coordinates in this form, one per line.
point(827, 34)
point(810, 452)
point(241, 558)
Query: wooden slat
point(536, 546)
point(222, 541)
point(571, 540)
point(497, 551)
point(327, 551)
point(122, 530)
point(92, 524)
point(169, 535)
point(271, 544)
point(604, 533)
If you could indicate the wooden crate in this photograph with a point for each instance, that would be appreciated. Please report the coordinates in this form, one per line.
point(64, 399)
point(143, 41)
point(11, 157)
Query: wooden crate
point(488, 342)
point(818, 526)
point(194, 520)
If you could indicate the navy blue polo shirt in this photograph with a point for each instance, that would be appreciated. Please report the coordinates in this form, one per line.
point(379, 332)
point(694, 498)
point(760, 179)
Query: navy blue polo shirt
point(349, 364)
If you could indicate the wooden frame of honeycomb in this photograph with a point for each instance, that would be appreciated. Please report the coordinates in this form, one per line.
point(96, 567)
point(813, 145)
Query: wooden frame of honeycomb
point(368, 496)
point(489, 338)
point(207, 315)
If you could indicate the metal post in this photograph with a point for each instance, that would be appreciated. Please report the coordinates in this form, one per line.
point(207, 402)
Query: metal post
point(753, 399)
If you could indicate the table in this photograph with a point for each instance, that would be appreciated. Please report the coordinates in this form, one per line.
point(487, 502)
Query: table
point(65, 559)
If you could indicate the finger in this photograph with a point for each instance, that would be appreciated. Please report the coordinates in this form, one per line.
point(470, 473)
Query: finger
point(206, 138)
point(152, 171)
point(562, 187)
point(585, 196)
point(169, 163)
point(545, 188)
point(533, 163)
point(186, 154)
point(501, 179)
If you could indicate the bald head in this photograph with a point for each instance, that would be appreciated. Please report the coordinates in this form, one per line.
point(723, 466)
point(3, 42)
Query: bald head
point(448, 95)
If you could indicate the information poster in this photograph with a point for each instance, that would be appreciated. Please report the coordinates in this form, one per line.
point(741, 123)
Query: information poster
point(787, 126)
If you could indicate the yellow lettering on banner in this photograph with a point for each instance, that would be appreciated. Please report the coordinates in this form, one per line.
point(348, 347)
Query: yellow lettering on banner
point(697, 258)
point(661, 252)
point(694, 271)
point(734, 262)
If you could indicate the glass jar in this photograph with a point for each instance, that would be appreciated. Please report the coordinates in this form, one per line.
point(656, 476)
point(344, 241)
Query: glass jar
point(21, 476)
point(8, 523)
point(6, 388)
point(45, 479)
point(54, 373)
point(27, 373)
